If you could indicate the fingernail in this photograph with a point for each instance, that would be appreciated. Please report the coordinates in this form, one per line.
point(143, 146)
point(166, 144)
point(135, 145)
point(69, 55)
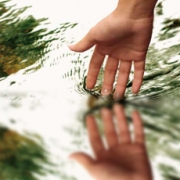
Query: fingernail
point(105, 92)
point(135, 91)
point(71, 45)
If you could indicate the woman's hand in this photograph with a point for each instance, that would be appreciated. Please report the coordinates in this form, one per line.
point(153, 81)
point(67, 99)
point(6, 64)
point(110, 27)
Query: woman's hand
point(124, 39)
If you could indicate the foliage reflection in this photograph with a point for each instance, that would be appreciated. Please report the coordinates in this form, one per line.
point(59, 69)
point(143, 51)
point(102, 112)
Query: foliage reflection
point(23, 41)
point(21, 157)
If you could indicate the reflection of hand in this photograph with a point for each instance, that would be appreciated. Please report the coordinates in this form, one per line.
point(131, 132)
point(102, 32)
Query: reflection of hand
point(122, 38)
point(124, 159)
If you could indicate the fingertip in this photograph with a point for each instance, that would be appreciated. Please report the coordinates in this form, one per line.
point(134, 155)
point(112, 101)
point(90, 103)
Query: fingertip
point(117, 108)
point(90, 82)
point(78, 47)
point(71, 46)
point(138, 128)
point(136, 86)
point(85, 160)
point(135, 91)
point(89, 118)
point(90, 86)
point(105, 112)
point(90, 123)
point(83, 45)
point(71, 157)
point(106, 91)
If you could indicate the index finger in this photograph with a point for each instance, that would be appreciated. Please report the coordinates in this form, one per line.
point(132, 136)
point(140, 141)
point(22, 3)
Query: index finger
point(94, 67)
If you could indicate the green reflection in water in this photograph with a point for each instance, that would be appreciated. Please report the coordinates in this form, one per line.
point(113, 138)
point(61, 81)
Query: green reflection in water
point(170, 28)
point(23, 41)
point(170, 25)
point(159, 8)
point(21, 157)
point(169, 173)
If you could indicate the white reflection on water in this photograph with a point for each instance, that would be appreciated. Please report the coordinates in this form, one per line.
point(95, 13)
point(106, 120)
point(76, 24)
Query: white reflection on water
point(43, 102)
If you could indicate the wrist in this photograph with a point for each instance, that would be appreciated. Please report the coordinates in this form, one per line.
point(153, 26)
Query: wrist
point(137, 9)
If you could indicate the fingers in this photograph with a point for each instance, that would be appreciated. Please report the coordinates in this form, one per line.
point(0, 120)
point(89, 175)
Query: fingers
point(139, 67)
point(123, 128)
point(109, 75)
point(109, 128)
point(83, 159)
point(124, 70)
point(138, 128)
point(86, 43)
point(123, 136)
point(94, 136)
point(94, 67)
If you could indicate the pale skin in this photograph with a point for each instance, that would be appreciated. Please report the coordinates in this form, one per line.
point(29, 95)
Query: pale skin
point(123, 37)
point(124, 158)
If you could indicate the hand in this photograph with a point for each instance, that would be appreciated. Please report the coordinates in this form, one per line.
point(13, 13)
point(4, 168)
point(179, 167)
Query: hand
point(124, 40)
point(123, 159)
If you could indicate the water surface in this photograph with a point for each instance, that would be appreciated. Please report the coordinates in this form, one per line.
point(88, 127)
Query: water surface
point(43, 101)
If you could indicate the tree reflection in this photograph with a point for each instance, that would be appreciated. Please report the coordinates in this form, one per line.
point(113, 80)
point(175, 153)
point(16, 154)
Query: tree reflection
point(21, 157)
point(170, 28)
point(169, 172)
point(159, 8)
point(23, 41)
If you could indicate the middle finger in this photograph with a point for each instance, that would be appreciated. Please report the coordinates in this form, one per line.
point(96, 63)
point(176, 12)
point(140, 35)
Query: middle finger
point(109, 75)
point(109, 128)
point(124, 70)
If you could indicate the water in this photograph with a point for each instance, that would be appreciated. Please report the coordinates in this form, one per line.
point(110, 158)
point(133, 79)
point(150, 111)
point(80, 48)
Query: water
point(43, 101)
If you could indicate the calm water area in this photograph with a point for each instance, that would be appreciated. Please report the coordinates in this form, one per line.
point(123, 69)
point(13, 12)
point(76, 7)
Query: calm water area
point(43, 101)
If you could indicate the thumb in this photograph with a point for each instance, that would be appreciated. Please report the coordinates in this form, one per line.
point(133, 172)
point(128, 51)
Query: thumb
point(84, 44)
point(85, 160)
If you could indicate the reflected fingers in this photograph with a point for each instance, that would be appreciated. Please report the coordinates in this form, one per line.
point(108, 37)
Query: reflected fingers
point(94, 136)
point(109, 128)
point(138, 128)
point(124, 133)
